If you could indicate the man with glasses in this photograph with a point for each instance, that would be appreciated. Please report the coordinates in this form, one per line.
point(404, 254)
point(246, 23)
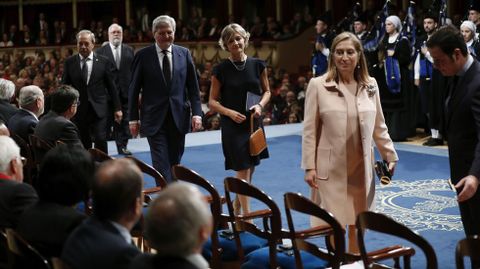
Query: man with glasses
point(15, 196)
point(56, 125)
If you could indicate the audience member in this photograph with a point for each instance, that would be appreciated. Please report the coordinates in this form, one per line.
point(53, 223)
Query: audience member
point(15, 196)
point(24, 121)
point(178, 224)
point(65, 178)
point(56, 124)
point(7, 90)
point(104, 240)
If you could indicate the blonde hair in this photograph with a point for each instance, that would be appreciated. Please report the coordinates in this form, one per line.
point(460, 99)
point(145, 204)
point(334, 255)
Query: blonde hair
point(227, 33)
point(361, 71)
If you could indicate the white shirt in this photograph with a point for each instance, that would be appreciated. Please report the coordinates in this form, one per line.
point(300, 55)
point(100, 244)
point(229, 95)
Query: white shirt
point(89, 64)
point(119, 48)
point(161, 55)
point(198, 261)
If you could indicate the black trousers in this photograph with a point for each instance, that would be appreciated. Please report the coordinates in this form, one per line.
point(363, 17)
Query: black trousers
point(93, 129)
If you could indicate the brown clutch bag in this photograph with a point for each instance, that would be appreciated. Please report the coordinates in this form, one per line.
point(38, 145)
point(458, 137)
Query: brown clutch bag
point(258, 141)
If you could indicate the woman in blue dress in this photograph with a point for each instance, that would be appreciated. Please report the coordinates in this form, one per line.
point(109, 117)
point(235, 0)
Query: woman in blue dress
point(231, 80)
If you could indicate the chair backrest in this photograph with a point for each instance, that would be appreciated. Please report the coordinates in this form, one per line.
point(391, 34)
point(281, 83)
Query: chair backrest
point(39, 148)
point(26, 256)
point(467, 247)
point(99, 156)
point(381, 223)
point(219, 219)
point(296, 202)
point(25, 151)
point(272, 224)
point(149, 170)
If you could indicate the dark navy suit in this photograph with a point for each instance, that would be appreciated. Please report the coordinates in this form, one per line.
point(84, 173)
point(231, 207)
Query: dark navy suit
point(6, 111)
point(123, 76)
point(96, 244)
point(22, 123)
point(53, 127)
point(165, 112)
point(15, 197)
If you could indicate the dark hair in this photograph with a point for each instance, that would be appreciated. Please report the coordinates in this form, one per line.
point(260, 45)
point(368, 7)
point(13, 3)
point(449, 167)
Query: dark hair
point(66, 175)
point(448, 38)
point(63, 98)
point(117, 186)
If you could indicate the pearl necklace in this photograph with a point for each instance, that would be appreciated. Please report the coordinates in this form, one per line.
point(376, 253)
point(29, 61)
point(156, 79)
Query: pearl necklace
point(239, 67)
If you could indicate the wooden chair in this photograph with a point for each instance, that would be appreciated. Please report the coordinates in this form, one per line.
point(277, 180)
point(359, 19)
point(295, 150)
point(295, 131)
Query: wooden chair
point(29, 169)
point(39, 148)
point(467, 247)
point(334, 255)
point(383, 224)
point(219, 219)
point(24, 255)
point(99, 156)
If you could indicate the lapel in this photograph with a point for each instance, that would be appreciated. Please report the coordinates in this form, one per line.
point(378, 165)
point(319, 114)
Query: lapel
point(95, 66)
point(332, 86)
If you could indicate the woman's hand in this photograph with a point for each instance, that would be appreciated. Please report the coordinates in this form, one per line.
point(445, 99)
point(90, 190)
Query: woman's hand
point(391, 167)
point(256, 110)
point(236, 116)
point(310, 177)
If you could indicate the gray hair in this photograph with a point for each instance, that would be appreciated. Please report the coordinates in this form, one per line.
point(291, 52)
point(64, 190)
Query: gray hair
point(88, 32)
point(175, 218)
point(10, 151)
point(114, 25)
point(28, 95)
point(229, 31)
point(471, 26)
point(7, 89)
point(163, 19)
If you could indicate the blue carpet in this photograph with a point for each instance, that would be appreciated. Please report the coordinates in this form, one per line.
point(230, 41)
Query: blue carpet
point(419, 195)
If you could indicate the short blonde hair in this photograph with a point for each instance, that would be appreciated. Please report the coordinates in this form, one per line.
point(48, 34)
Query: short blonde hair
point(361, 71)
point(227, 33)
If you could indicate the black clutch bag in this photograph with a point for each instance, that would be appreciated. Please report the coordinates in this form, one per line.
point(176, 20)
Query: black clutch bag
point(381, 168)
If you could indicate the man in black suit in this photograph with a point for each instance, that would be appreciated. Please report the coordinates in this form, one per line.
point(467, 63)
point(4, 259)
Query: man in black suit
point(121, 56)
point(177, 225)
point(92, 75)
point(7, 90)
point(56, 124)
point(24, 121)
point(103, 240)
point(15, 196)
point(462, 106)
point(170, 96)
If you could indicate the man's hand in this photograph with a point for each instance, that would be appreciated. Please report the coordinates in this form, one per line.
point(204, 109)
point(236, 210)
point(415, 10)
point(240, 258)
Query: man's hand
point(310, 177)
point(134, 126)
point(118, 116)
point(470, 185)
point(196, 123)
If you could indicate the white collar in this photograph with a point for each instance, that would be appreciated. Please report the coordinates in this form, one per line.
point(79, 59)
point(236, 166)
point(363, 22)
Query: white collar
point(113, 47)
point(159, 50)
point(33, 114)
point(198, 261)
point(124, 232)
point(90, 56)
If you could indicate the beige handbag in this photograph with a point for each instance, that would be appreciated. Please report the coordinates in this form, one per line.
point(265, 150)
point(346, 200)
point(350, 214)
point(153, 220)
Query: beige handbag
point(258, 142)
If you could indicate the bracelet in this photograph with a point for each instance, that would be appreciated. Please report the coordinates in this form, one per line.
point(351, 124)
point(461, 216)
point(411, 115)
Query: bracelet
point(261, 107)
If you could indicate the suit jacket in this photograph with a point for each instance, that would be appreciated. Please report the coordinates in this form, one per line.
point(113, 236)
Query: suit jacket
point(124, 74)
point(101, 86)
point(53, 127)
point(96, 244)
point(149, 261)
point(15, 197)
point(324, 143)
point(47, 226)
point(463, 126)
point(22, 123)
point(182, 98)
point(6, 111)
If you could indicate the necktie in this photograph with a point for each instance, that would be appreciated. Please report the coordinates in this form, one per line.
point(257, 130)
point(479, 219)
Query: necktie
point(85, 70)
point(117, 57)
point(167, 73)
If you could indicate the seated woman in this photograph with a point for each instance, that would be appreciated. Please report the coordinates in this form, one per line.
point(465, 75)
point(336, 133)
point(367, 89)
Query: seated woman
point(65, 179)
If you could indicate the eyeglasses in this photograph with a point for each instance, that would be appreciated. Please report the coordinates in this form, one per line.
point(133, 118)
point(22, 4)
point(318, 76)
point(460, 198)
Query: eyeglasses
point(349, 53)
point(23, 160)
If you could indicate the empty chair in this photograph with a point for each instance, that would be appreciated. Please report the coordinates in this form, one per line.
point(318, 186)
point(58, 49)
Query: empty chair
point(334, 255)
point(23, 255)
point(467, 247)
point(380, 223)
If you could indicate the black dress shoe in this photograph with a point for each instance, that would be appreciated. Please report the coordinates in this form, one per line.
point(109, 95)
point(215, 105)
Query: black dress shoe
point(124, 151)
point(432, 142)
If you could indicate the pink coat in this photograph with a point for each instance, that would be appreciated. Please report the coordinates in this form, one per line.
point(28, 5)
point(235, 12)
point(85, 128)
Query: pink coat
point(324, 144)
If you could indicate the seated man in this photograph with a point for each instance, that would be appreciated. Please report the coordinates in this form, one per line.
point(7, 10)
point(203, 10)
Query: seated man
point(66, 175)
point(56, 124)
point(177, 225)
point(24, 121)
point(15, 196)
point(7, 91)
point(103, 240)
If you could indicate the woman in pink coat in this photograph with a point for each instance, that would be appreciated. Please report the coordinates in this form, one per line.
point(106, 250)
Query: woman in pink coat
point(343, 117)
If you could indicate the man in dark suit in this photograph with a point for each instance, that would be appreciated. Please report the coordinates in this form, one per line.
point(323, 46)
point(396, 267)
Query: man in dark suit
point(103, 240)
point(24, 121)
point(121, 56)
point(56, 124)
point(169, 101)
point(15, 196)
point(92, 75)
point(178, 223)
point(462, 106)
point(7, 90)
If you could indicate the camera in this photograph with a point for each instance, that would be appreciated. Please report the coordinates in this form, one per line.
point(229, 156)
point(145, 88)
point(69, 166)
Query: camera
point(383, 173)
